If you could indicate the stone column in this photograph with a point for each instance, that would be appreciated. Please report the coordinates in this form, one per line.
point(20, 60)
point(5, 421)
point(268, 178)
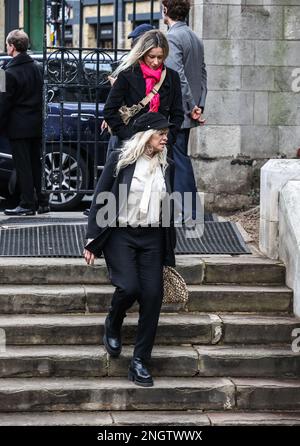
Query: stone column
point(252, 51)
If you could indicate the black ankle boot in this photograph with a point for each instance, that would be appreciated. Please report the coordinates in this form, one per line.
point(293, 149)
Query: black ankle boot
point(139, 374)
point(112, 339)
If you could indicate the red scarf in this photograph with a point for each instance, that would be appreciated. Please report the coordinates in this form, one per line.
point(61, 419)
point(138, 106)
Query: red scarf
point(152, 77)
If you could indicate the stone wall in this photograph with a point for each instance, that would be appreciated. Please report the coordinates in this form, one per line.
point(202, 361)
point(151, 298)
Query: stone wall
point(252, 51)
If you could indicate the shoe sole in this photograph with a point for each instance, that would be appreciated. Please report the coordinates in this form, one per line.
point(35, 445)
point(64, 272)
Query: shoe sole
point(109, 350)
point(132, 378)
point(20, 215)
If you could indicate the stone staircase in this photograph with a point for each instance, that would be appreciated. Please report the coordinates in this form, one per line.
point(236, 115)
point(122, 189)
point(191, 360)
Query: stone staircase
point(223, 359)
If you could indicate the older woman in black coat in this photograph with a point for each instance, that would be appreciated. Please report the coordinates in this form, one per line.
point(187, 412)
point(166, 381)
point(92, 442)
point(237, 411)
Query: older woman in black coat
point(141, 69)
point(130, 223)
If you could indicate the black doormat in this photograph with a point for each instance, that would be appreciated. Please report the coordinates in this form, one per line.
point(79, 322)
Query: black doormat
point(67, 240)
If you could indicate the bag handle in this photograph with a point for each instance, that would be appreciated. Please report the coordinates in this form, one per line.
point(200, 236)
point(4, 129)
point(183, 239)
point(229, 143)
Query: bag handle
point(155, 89)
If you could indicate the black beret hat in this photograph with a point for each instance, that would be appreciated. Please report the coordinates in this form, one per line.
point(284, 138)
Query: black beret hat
point(151, 120)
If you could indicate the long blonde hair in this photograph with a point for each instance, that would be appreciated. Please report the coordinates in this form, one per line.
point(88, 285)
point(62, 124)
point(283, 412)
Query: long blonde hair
point(135, 147)
point(151, 39)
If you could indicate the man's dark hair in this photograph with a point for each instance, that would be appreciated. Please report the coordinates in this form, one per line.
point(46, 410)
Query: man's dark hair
point(177, 9)
point(19, 39)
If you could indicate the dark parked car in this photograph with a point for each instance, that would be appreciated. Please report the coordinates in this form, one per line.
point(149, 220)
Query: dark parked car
point(75, 147)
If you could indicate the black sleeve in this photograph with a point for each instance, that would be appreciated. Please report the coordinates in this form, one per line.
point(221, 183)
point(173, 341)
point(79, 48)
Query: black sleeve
point(115, 100)
point(176, 109)
point(104, 184)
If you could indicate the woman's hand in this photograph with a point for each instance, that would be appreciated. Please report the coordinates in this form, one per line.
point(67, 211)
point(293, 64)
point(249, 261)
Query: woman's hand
point(104, 125)
point(112, 80)
point(89, 257)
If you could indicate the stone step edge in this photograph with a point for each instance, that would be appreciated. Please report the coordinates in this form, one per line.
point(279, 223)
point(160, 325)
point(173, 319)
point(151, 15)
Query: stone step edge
point(99, 317)
point(196, 269)
point(76, 351)
point(106, 287)
point(154, 418)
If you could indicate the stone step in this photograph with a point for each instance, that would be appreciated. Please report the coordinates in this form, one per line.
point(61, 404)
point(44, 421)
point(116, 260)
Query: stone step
point(88, 329)
point(55, 299)
point(179, 361)
point(255, 361)
point(173, 329)
point(258, 329)
point(254, 418)
point(245, 269)
point(118, 418)
point(267, 394)
point(111, 394)
point(94, 394)
point(150, 418)
point(240, 298)
point(75, 271)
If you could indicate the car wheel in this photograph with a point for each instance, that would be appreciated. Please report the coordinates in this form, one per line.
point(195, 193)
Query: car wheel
point(65, 176)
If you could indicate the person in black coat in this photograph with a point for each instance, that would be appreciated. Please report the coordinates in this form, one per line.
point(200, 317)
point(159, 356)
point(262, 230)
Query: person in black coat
point(21, 121)
point(135, 78)
point(131, 223)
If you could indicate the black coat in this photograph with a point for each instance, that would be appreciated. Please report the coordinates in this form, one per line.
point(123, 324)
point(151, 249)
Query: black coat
point(130, 89)
point(21, 104)
point(108, 182)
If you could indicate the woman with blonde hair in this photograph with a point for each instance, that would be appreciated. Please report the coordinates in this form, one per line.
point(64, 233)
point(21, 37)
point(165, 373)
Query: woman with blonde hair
point(136, 240)
point(142, 69)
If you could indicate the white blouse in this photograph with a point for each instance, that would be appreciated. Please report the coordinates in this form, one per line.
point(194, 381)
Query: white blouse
point(146, 192)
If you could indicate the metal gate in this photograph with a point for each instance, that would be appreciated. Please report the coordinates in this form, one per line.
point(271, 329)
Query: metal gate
point(76, 87)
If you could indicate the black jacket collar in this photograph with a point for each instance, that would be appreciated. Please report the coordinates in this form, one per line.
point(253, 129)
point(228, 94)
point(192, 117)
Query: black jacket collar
point(20, 59)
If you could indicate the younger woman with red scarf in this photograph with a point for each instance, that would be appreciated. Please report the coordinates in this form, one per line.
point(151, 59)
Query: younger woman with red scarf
point(136, 76)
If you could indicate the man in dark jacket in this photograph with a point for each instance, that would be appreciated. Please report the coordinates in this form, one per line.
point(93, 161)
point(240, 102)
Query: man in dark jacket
point(186, 56)
point(21, 121)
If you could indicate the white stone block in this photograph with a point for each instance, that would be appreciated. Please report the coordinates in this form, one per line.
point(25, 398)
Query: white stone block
point(268, 238)
point(261, 108)
point(230, 107)
point(277, 53)
point(274, 176)
point(287, 79)
point(259, 141)
point(230, 52)
point(289, 140)
point(252, 22)
point(223, 78)
point(258, 78)
point(215, 22)
point(284, 108)
point(213, 141)
point(292, 23)
point(289, 237)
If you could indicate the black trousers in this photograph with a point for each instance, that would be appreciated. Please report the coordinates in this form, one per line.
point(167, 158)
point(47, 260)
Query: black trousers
point(134, 257)
point(27, 159)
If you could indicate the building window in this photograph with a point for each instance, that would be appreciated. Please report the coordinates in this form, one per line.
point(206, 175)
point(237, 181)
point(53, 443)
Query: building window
point(106, 35)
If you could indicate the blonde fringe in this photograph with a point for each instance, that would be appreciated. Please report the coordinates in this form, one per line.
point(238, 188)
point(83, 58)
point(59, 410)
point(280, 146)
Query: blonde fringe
point(135, 147)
